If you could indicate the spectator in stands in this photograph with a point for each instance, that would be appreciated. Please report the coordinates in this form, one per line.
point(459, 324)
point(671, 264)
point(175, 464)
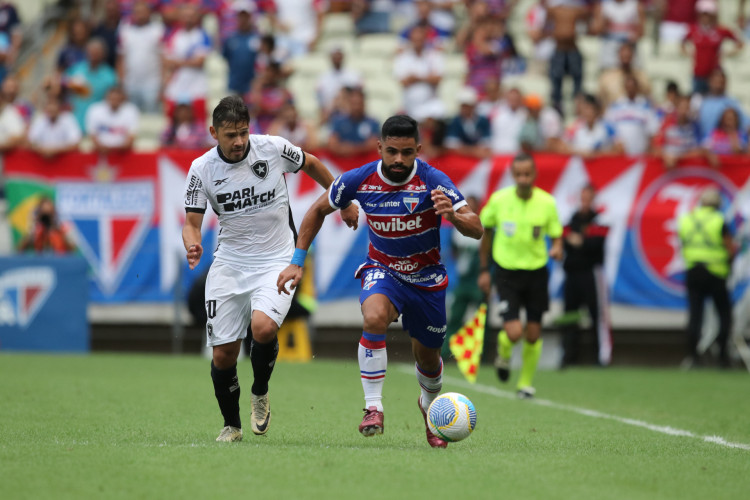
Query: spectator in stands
point(184, 57)
point(567, 59)
point(47, 234)
point(706, 37)
point(476, 12)
point(9, 90)
point(371, 16)
point(712, 105)
point(89, 80)
point(727, 138)
point(269, 52)
point(264, 11)
point(468, 133)
point(742, 20)
point(107, 29)
point(299, 25)
point(542, 130)
point(355, 133)
point(112, 123)
point(676, 18)
point(432, 129)
point(241, 48)
point(419, 69)
point(539, 27)
point(54, 131)
point(617, 22)
point(590, 136)
point(330, 84)
point(678, 136)
point(488, 48)
point(12, 127)
point(611, 81)
point(139, 57)
point(634, 120)
point(184, 131)
point(74, 50)
point(671, 95)
point(435, 37)
point(10, 27)
point(268, 95)
point(289, 125)
point(490, 98)
point(506, 121)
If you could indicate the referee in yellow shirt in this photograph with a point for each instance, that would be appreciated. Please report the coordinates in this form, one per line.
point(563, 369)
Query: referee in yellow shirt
point(520, 217)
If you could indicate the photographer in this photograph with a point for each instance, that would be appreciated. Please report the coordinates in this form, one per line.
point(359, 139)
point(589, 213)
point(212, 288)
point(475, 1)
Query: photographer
point(47, 235)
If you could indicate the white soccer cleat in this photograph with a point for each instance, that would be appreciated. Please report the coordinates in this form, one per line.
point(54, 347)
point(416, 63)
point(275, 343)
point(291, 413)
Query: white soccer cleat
point(230, 434)
point(261, 416)
point(526, 393)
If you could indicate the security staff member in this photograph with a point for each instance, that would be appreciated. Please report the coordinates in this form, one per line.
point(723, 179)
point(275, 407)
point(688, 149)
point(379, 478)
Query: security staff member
point(520, 217)
point(584, 240)
point(707, 249)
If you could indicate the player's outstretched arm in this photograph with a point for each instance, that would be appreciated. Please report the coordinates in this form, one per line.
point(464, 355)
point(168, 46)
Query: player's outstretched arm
point(465, 220)
point(191, 237)
point(309, 228)
point(320, 174)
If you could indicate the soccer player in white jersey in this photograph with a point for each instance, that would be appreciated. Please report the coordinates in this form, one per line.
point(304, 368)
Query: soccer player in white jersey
point(243, 181)
point(405, 200)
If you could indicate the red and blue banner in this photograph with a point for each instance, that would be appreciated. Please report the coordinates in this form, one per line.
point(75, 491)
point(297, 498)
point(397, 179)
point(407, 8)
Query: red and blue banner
point(126, 213)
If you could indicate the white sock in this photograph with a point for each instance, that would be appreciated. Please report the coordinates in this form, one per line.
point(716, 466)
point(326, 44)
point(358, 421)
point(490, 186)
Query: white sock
point(373, 361)
point(430, 383)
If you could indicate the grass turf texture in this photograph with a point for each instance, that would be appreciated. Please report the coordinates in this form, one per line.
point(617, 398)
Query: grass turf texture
point(135, 426)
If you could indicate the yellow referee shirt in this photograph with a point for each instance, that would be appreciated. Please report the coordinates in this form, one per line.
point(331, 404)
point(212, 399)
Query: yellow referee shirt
point(520, 227)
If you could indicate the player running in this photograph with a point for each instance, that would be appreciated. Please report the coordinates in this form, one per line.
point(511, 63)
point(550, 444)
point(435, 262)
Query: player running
point(243, 180)
point(404, 199)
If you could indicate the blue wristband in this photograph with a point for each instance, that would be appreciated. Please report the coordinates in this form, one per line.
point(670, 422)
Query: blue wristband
point(298, 259)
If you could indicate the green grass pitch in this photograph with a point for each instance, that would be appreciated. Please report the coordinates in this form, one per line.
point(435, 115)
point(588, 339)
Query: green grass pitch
point(143, 426)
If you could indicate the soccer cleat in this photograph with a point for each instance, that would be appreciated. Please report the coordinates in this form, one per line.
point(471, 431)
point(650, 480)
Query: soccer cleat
point(432, 439)
point(503, 368)
point(372, 422)
point(526, 393)
point(261, 416)
point(230, 434)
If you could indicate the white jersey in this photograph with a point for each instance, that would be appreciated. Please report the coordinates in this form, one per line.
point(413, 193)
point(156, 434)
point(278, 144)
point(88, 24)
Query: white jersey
point(250, 198)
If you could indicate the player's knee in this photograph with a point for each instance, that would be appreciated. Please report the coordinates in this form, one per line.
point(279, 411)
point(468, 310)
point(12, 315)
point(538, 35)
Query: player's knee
point(265, 332)
point(375, 320)
point(224, 358)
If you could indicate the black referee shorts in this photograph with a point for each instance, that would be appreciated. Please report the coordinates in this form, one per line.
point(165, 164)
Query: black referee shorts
point(521, 288)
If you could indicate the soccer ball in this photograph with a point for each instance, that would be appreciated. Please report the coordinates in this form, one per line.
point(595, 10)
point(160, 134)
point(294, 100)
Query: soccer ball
point(451, 417)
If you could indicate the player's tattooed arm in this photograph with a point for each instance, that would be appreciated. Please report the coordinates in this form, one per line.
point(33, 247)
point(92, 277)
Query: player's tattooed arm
point(464, 219)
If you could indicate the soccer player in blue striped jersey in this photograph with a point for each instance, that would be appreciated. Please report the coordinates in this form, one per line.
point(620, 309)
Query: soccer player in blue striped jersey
point(405, 200)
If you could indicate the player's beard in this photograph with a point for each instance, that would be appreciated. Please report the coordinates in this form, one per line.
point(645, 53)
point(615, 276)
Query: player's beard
point(396, 175)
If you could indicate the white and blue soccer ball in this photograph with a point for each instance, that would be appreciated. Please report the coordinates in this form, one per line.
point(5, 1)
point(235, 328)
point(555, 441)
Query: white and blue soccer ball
point(452, 417)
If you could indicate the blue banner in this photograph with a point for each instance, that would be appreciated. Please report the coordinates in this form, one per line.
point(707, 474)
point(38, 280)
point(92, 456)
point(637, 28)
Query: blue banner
point(43, 304)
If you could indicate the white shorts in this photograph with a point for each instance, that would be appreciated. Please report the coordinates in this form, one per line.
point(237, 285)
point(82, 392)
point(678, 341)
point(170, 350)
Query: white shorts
point(232, 294)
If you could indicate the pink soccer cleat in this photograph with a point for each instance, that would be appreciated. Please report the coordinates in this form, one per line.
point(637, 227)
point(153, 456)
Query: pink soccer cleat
point(434, 441)
point(372, 422)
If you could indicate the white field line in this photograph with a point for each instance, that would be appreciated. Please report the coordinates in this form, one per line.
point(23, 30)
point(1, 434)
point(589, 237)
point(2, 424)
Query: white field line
point(663, 429)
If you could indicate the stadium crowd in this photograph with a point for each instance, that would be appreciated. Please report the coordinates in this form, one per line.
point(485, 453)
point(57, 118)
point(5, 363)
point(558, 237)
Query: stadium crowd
point(149, 56)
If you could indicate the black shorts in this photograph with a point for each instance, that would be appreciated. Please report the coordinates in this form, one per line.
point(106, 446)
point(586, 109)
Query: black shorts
point(520, 288)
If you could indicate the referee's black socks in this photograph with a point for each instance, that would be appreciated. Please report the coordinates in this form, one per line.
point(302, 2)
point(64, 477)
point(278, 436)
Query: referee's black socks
point(227, 391)
point(263, 358)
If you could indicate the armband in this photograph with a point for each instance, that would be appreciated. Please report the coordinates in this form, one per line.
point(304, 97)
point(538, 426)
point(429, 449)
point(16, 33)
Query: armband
point(298, 259)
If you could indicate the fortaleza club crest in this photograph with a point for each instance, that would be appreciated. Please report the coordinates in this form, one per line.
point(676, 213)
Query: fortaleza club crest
point(260, 168)
point(411, 203)
point(656, 217)
point(109, 222)
point(23, 292)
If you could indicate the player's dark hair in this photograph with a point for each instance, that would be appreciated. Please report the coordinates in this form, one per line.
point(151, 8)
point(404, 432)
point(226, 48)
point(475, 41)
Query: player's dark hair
point(230, 110)
point(523, 157)
point(400, 126)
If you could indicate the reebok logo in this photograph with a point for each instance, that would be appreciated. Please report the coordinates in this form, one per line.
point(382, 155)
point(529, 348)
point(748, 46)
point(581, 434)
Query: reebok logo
point(219, 182)
point(396, 224)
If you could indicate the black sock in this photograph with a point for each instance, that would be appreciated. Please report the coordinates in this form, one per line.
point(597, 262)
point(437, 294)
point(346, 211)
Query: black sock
point(263, 358)
point(227, 391)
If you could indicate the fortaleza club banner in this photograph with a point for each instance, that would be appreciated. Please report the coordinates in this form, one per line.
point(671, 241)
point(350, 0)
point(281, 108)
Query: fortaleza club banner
point(126, 214)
